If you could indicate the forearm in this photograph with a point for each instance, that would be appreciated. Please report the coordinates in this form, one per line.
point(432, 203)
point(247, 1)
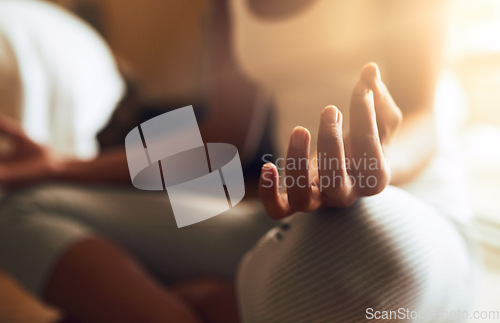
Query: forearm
point(108, 167)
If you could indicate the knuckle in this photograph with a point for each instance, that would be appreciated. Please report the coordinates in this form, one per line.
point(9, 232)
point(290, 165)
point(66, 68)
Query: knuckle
point(298, 202)
point(371, 190)
point(371, 182)
point(330, 133)
point(342, 201)
point(345, 203)
point(340, 196)
point(397, 117)
point(334, 184)
point(372, 138)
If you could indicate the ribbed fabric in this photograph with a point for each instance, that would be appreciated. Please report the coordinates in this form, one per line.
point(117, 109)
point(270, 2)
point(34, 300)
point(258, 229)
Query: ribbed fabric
point(386, 252)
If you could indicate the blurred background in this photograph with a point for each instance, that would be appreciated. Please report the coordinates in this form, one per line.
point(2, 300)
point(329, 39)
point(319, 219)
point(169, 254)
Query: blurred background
point(163, 41)
point(473, 55)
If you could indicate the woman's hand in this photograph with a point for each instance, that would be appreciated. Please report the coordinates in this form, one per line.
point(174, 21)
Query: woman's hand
point(346, 167)
point(22, 160)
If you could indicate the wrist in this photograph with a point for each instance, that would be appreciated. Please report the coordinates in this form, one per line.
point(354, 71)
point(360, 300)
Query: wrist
point(57, 168)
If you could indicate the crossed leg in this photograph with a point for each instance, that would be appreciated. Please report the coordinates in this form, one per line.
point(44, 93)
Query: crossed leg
point(388, 252)
point(385, 252)
point(116, 255)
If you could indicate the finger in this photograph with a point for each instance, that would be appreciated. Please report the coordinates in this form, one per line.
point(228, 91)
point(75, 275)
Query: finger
point(297, 181)
point(12, 128)
point(367, 163)
point(333, 177)
point(389, 116)
point(274, 202)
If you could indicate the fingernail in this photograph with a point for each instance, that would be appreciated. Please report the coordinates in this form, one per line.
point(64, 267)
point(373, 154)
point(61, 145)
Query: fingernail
point(267, 172)
point(330, 115)
point(267, 168)
point(299, 138)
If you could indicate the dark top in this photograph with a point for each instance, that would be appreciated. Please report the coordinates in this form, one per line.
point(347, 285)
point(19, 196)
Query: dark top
point(131, 112)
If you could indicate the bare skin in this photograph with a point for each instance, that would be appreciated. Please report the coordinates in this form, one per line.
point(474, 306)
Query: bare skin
point(97, 269)
point(88, 281)
point(96, 281)
point(377, 121)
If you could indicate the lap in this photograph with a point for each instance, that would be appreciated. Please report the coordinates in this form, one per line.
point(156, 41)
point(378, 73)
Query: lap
point(357, 257)
point(386, 252)
point(55, 216)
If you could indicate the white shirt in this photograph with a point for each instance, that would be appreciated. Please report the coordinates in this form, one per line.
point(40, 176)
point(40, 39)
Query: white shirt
point(57, 76)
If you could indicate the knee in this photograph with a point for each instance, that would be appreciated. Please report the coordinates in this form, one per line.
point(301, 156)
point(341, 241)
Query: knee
point(33, 235)
point(30, 201)
point(21, 202)
point(385, 252)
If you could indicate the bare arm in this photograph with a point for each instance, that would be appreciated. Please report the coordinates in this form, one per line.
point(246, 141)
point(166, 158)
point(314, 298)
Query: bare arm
point(108, 167)
point(229, 117)
point(28, 162)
